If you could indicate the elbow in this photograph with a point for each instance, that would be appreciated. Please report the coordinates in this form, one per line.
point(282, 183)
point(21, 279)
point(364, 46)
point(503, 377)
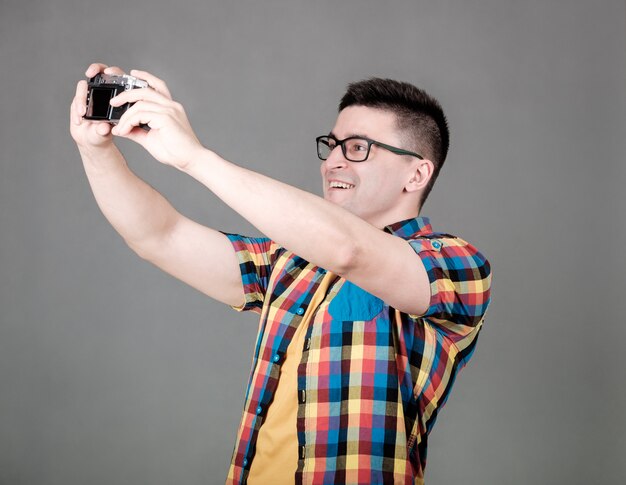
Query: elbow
point(346, 258)
point(146, 249)
point(138, 248)
point(151, 247)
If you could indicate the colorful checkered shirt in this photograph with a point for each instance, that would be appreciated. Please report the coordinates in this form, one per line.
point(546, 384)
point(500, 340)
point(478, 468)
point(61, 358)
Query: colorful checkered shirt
point(372, 379)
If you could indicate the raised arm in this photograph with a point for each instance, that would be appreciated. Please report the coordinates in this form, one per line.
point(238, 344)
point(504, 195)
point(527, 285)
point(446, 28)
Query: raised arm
point(197, 255)
point(315, 229)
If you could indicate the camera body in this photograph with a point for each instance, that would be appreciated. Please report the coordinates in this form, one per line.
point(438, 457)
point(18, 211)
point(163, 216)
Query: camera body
point(101, 88)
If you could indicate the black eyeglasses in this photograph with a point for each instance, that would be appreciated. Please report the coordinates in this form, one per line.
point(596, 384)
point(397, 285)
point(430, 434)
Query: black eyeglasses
point(355, 148)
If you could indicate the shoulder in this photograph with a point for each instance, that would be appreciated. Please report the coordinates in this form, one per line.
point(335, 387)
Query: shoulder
point(457, 252)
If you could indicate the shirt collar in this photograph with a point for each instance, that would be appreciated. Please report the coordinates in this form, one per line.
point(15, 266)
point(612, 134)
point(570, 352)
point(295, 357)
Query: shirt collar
point(410, 227)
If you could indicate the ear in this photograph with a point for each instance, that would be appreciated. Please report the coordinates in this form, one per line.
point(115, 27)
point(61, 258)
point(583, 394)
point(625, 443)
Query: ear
point(420, 176)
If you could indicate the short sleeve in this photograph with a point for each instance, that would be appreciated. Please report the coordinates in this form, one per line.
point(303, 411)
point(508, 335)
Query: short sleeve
point(256, 258)
point(460, 284)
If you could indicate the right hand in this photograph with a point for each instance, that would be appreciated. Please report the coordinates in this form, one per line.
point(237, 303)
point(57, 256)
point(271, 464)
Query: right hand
point(87, 133)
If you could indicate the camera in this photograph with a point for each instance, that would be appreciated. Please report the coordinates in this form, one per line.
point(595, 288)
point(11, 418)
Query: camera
point(101, 88)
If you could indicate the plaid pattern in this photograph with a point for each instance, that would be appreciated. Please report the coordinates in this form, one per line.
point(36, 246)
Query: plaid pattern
point(372, 379)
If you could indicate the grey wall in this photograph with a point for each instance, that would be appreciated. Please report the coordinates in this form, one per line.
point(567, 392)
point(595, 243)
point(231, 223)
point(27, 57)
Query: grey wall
point(113, 373)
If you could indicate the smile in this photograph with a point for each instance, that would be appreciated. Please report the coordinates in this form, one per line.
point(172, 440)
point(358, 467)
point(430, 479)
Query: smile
point(340, 185)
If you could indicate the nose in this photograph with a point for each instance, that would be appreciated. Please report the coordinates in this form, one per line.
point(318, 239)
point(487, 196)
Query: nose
point(335, 159)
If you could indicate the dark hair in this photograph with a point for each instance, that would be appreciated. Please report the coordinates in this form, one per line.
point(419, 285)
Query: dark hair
point(418, 115)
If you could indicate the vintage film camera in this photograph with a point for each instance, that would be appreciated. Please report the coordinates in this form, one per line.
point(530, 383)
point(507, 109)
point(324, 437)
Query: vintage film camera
point(101, 88)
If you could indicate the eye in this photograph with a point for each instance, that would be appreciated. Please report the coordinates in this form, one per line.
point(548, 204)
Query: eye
point(357, 146)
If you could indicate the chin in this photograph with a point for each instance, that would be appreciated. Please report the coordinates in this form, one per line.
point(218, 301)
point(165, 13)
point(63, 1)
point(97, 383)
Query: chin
point(351, 209)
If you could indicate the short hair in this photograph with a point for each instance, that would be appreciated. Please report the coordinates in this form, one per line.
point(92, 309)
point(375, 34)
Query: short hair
point(418, 115)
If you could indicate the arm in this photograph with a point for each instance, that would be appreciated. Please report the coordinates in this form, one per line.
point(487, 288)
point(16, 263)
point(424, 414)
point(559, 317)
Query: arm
point(198, 255)
point(337, 240)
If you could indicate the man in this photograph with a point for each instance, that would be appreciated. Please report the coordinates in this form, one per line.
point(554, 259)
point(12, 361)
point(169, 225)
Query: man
point(367, 315)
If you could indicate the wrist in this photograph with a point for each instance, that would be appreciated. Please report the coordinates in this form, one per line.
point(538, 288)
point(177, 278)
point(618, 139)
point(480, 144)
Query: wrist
point(198, 158)
point(101, 158)
point(96, 152)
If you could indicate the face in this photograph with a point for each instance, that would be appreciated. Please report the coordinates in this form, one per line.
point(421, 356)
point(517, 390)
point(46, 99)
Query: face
point(375, 189)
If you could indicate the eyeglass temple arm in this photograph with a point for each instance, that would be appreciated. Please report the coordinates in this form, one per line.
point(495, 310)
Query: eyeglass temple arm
point(398, 151)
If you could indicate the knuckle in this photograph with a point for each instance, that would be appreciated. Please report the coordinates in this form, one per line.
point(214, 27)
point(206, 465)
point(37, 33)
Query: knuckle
point(98, 65)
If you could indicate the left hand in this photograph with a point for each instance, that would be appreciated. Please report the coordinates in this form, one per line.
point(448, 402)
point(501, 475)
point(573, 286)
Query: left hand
point(171, 139)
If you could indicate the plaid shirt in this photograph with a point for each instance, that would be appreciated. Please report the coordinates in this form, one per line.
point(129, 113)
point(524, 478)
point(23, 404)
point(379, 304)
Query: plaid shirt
point(372, 379)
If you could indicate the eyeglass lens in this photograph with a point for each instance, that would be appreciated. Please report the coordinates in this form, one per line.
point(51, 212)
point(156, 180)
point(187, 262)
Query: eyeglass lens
point(354, 149)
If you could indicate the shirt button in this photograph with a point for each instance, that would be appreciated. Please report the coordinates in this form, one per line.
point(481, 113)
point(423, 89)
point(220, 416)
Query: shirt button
point(245, 462)
point(276, 358)
point(259, 410)
point(300, 311)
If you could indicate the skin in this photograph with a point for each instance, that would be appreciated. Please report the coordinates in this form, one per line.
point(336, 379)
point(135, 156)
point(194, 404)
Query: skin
point(383, 192)
point(345, 237)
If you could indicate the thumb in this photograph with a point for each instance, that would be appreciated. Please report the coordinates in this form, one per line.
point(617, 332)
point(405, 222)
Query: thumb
point(103, 129)
point(136, 134)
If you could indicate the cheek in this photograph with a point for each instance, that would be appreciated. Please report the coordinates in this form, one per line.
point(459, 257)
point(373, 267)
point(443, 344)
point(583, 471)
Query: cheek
point(381, 187)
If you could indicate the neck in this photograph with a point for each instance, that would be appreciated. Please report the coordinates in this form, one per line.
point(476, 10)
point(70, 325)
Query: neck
point(383, 220)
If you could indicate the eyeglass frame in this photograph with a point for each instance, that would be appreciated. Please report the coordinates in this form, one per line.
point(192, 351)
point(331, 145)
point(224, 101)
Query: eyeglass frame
point(370, 142)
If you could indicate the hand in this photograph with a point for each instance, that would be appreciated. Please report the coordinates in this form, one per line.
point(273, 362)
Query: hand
point(171, 139)
point(87, 133)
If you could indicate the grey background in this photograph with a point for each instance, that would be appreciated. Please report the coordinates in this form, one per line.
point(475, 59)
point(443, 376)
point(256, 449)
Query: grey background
point(114, 373)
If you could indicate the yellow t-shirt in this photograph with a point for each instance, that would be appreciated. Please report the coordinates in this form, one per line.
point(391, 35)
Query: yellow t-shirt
point(276, 457)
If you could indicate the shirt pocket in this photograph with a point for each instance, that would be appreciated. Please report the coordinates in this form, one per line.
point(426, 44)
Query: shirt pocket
point(353, 304)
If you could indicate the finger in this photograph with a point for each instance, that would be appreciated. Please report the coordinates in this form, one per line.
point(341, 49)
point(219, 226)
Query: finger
point(145, 106)
point(75, 115)
point(78, 107)
point(142, 94)
point(136, 134)
point(150, 118)
point(114, 70)
point(95, 68)
point(125, 123)
point(81, 97)
point(154, 82)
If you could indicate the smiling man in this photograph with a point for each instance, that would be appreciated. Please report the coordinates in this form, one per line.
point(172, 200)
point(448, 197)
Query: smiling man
point(367, 315)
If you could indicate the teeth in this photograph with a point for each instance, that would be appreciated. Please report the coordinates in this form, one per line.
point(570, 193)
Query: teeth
point(340, 185)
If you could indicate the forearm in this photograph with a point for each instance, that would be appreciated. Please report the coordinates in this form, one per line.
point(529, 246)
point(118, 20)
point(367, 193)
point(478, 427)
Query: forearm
point(304, 223)
point(136, 211)
point(315, 229)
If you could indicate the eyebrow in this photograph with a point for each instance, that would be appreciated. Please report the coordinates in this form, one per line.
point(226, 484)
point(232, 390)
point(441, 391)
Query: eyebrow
point(357, 135)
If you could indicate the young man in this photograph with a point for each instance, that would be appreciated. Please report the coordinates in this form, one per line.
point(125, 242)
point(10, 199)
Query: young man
point(367, 315)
